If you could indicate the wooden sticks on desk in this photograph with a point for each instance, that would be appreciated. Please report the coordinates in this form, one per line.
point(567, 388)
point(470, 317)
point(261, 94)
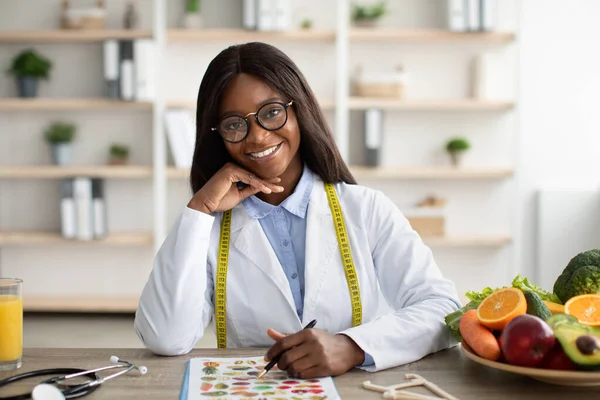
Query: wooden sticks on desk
point(395, 392)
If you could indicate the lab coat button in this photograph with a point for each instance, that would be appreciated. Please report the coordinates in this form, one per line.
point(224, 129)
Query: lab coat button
point(294, 275)
point(285, 242)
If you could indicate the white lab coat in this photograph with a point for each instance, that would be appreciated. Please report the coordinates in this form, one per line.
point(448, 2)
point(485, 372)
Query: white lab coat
point(176, 304)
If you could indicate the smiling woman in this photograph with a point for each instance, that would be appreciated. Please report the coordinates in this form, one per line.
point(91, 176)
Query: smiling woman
point(255, 92)
point(277, 218)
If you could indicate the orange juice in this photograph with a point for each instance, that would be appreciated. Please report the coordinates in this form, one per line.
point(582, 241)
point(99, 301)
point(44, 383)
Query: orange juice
point(11, 328)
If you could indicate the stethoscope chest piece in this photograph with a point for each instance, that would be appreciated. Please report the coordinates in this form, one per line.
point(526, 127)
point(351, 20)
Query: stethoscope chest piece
point(46, 391)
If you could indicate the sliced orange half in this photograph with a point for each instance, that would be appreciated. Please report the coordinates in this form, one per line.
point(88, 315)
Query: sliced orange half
point(585, 307)
point(499, 308)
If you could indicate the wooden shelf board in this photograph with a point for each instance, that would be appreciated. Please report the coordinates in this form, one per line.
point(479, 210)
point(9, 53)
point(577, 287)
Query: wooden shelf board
point(51, 303)
point(65, 35)
point(467, 241)
point(143, 172)
point(242, 35)
point(178, 173)
point(55, 238)
point(57, 172)
point(360, 172)
point(191, 105)
point(50, 104)
point(427, 35)
point(361, 103)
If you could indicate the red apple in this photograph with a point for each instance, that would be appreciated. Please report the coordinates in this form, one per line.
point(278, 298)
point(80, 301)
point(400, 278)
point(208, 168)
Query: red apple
point(557, 359)
point(527, 340)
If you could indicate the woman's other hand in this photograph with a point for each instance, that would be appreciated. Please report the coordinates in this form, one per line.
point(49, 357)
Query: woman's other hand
point(221, 192)
point(313, 353)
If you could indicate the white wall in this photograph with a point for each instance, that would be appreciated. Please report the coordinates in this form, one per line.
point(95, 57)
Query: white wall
point(559, 118)
point(411, 138)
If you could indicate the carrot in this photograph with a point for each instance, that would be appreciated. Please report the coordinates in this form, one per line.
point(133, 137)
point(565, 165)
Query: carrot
point(478, 337)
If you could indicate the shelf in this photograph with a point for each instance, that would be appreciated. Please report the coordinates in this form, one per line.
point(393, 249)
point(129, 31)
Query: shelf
point(360, 172)
point(127, 239)
point(229, 35)
point(143, 172)
point(426, 35)
point(362, 103)
point(52, 104)
point(191, 105)
point(467, 241)
point(76, 304)
point(57, 172)
point(65, 35)
point(355, 34)
point(441, 173)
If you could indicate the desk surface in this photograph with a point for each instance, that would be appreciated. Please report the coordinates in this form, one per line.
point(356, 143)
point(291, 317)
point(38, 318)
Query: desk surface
point(448, 369)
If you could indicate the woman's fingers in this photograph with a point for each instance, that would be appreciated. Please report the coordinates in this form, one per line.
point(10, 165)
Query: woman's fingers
point(252, 180)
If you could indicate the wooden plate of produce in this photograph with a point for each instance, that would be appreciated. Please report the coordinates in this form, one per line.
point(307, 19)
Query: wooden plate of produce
point(556, 377)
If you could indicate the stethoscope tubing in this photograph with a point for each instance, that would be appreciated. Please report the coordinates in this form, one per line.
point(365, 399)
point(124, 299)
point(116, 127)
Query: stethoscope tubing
point(73, 392)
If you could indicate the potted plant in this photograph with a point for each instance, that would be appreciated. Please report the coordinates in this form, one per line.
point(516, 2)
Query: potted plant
point(192, 18)
point(306, 23)
point(119, 154)
point(29, 67)
point(60, 136)
point(456, 147)
point(368, 15)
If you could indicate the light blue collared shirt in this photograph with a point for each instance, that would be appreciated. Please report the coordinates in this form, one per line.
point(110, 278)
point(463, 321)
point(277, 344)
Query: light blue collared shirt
point(285, 228)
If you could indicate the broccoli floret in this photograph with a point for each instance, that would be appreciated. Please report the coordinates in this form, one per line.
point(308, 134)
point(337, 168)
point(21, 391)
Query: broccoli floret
point(580, 276)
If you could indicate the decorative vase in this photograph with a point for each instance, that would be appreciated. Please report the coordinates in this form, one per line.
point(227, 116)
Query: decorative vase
point(28, 86)
point(61, 153)
point(456, 157)
point(193, 21)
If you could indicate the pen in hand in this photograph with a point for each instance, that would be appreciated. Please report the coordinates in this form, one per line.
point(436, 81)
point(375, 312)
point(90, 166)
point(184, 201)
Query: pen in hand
point(276, 359)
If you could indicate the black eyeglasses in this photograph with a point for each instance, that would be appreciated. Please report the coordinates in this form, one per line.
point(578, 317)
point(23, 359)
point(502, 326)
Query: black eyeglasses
point(271, 116)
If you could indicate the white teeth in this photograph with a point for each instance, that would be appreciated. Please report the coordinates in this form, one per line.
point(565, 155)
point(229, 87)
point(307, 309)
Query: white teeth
point(264, 153)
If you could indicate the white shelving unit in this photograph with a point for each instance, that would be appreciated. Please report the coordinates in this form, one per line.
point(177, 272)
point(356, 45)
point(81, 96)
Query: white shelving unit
point(159, 174)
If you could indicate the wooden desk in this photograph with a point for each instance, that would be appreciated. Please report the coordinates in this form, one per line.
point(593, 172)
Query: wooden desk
point(448, 369)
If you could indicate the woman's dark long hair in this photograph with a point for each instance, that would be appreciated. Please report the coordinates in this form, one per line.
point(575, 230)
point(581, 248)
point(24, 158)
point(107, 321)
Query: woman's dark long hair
point(317, 144)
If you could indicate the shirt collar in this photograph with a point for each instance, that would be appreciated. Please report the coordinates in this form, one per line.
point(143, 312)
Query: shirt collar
point(296, 203)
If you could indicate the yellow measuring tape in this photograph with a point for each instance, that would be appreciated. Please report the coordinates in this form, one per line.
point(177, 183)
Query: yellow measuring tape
point(345, 252)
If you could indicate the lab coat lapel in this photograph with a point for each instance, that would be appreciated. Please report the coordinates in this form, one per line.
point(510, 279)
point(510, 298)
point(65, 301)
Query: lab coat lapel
point(249, 239)
point(321, 245)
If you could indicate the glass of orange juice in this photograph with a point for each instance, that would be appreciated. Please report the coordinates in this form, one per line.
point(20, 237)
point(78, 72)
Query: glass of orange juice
point(11, 324)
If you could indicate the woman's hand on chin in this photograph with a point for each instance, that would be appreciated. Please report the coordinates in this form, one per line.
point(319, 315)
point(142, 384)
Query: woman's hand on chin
point(221, 192)
point(313, 353)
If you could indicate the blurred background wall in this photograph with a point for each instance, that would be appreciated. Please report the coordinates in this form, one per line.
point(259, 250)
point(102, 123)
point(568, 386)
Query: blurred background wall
point(523, 93)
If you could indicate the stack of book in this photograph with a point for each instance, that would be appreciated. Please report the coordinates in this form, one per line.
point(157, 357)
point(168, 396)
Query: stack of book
point(267, 15)
point(472, 15)
point(83, 209)
point(129, 72)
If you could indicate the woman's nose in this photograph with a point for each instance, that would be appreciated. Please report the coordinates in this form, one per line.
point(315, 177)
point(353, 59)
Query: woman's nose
point(257, 133)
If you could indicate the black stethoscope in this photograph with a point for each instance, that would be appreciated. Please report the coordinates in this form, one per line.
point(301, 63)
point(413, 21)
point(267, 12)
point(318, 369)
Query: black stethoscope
point(55, 388)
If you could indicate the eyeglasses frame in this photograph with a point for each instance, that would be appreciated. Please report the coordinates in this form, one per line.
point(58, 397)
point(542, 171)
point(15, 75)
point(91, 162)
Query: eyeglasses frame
point(255, 114)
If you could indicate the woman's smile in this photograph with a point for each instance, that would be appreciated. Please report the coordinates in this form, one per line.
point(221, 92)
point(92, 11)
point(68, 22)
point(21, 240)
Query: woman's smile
point(265, 155)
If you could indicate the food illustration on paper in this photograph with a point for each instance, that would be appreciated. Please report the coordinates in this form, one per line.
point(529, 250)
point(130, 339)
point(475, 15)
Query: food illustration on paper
point(237, 378)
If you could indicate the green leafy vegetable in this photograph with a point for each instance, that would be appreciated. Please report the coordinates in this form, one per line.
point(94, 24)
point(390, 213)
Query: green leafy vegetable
point(523, 283)
point(479, 296)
